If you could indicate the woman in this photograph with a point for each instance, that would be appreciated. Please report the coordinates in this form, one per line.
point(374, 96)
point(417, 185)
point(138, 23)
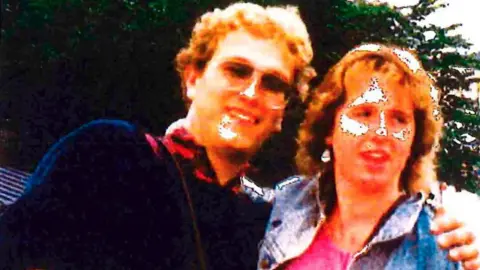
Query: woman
point(368, 143)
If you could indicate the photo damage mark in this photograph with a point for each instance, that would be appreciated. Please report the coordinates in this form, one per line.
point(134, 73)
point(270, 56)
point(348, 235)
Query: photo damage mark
point(382, 130)
point(367, 47)
point(408, 59)
point(374, 94)
point(352, 126)
point(402, 134)
point(224, 128)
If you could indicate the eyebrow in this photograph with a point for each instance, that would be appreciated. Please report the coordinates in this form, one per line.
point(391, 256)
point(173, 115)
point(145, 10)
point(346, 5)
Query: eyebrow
point(369, 105)
point(366, 104)
point(400, 112)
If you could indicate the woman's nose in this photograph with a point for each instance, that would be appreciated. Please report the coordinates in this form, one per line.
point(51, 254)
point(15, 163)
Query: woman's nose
point(381, 128)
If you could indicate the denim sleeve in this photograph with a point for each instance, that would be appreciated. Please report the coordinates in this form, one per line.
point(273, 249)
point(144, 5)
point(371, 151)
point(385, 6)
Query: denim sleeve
point(90, 202)
point(419, 249)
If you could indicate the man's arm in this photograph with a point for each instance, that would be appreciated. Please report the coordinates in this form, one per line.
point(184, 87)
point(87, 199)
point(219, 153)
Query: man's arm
point(98, 198)
point(457, 224)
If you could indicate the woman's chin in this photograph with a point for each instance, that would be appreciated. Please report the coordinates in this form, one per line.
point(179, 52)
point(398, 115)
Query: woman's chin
point(374, 182)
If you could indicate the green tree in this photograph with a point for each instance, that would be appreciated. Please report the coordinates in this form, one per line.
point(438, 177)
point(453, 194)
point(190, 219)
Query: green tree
point(66, 62)
point(444, 55)
point(350, 23)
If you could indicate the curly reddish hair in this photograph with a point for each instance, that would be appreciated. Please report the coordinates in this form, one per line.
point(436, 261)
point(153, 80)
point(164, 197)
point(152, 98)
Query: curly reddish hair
point(281, 24)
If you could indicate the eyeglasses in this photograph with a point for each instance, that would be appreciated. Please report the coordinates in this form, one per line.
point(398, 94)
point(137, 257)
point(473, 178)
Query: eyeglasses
point(245, 79)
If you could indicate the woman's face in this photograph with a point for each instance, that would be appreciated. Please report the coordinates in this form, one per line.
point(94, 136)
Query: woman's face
point(373, 131)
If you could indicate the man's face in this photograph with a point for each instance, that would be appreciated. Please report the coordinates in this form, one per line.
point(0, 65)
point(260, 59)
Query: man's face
point(373, 131)
point(239, 98)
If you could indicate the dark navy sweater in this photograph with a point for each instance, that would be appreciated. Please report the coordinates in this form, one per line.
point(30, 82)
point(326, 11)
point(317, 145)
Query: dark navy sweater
point(101, 198)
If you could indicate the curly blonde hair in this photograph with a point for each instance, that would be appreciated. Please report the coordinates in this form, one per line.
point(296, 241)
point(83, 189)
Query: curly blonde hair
point(281, 24)
point(403, 67)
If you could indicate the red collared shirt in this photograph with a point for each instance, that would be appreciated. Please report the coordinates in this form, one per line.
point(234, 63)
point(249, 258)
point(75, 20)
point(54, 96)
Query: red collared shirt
point(193, 157)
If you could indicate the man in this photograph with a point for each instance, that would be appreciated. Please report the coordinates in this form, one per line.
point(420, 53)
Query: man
point(107, 196)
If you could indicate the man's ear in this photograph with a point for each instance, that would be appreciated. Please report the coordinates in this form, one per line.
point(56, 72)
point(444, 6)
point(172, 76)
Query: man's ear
point(278, 124)
point(190, 76)
point(279, 120)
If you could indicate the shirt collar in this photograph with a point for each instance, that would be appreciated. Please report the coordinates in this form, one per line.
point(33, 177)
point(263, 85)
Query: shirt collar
point(184, 148)
point(402, 219)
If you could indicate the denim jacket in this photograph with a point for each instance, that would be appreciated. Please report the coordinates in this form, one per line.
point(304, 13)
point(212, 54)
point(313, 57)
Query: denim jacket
point(403, 242)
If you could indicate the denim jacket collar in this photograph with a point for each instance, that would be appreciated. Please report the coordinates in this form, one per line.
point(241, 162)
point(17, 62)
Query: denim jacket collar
point(402, 220)
point(298, 214)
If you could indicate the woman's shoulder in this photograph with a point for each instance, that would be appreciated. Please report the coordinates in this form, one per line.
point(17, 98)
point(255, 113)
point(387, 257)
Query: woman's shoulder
point(293, 184)
point(295, 191)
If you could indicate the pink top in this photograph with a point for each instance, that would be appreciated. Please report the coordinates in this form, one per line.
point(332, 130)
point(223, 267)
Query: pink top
point(322, 254)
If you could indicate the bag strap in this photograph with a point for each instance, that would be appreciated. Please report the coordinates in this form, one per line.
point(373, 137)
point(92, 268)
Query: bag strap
point(198, 240)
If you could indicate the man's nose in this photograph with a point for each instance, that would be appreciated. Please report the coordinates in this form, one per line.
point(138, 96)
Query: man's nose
point(251, 89)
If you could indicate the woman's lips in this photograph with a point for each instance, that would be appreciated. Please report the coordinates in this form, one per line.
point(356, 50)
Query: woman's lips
point(375, 156)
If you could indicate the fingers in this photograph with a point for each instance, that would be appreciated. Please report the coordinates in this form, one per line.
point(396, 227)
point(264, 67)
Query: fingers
point(472, 264)
point(459, 237)
point(464, 253)
point(442, 223)
point(439, 212)
point(455, 236)
point(463, 247)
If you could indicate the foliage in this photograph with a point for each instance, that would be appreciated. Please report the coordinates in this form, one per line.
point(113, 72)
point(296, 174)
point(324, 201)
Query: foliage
point(444, 56)
point(70, 61)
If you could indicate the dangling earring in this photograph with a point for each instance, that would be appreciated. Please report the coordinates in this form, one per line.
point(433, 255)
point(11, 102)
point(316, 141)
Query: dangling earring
point(326, 156)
